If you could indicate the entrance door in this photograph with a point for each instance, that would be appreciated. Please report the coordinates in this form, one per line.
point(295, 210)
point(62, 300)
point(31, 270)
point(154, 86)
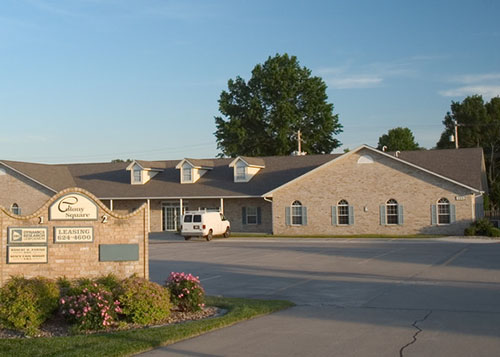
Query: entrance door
point(171, 217)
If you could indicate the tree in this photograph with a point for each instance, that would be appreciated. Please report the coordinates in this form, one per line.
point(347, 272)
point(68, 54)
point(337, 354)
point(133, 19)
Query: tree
point(401, 139)
point(478, 126)
point(262, 117)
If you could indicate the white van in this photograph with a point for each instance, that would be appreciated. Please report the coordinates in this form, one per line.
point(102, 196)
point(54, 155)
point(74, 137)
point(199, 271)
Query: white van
point(204, 224)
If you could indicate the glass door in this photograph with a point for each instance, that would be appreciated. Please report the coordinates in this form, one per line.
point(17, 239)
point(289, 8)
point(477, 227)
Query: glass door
point(171, 217)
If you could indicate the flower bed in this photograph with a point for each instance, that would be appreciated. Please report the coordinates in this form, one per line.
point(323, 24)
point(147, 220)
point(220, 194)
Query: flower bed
point(102, 304)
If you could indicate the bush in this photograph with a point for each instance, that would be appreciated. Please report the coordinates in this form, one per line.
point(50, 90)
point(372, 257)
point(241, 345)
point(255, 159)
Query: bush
point(143, 302)
point(186, 292)
point(93, 308)
point(482, 227)
point(26, 303)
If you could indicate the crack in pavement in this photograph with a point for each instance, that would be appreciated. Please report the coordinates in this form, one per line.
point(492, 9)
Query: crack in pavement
point(414, 324)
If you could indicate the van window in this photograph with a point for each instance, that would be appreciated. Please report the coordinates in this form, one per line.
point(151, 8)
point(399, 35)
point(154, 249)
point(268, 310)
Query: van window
point(197, 218)
point(188, 218)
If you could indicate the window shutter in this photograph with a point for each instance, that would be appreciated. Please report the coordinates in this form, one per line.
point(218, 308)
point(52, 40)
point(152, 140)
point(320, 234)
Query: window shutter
point(433, 215)
point(304, 216)
point(259, 216)
point(400, 215)
point(287, 216)
point(243, 215)
point(334, 215)
point(453, 217)
point(351, 215)
point(382, 215)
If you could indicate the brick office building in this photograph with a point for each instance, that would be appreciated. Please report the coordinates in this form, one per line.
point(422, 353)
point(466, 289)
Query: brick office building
point(362, 191)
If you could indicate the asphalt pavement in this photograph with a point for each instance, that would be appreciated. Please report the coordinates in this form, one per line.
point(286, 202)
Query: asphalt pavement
point(355, 297)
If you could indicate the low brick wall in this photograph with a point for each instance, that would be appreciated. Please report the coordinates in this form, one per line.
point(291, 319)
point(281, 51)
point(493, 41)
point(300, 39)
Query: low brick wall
point(121, 240)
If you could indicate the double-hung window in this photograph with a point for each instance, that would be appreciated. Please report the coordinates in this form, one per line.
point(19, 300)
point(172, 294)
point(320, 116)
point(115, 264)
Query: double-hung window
point(443, 212)
point(296, 214)
point(137, 176)
point(187, 173)
point(391, 213)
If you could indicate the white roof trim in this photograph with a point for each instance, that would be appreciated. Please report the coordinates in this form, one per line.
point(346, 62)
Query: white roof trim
point(179, 165)
point(331, 162)
point(131, 166)
point(28, 177)
point(175, 197)
point(233, 163)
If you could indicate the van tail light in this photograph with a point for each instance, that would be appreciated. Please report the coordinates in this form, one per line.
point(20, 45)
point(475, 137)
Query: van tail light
point(204, 226)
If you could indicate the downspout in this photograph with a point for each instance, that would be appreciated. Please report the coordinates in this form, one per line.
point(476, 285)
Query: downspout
point(272, 213)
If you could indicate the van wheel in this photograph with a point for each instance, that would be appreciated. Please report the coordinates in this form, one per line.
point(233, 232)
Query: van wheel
point(210, 235)
point(227, 233)
point(187, 238)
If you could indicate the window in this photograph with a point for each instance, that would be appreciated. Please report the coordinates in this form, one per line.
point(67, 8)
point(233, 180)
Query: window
point(392, 212)
point(443, 212)
point(197, 218)
point(251, 215)
point(187, 174)
point(188, 218)
point(343, 212)
point(296, 213)
point(137, 175)
point(15, 209)
point(241, 172)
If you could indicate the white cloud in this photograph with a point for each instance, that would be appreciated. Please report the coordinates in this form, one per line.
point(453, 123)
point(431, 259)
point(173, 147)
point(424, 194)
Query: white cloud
point(485, 84)
point(355, 81)
point(484, 90)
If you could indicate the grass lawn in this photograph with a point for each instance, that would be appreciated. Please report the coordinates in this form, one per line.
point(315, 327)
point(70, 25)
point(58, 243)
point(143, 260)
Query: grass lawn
point(126, 343)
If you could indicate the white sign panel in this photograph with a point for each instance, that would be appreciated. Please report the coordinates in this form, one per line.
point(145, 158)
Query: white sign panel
point(73, 207)
point(73, 234)
point(29, 235)
point(26, 255)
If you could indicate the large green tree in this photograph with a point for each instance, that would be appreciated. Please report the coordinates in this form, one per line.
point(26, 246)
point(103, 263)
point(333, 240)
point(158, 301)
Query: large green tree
point(478, 126)
point(398, 139)
point(262, 116)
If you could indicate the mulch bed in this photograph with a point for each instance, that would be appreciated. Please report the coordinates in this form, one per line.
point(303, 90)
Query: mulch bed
point(57, 326)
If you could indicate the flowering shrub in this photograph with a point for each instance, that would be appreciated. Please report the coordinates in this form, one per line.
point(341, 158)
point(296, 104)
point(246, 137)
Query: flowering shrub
point(143, 302)
point(26, 303)
point(186, 291)
point(92, 309)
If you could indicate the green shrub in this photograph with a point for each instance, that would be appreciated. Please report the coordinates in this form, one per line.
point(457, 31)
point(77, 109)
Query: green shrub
point(26, 303)
point(186, 291)
point(482, 227)
point(143, 302)
point(90, 306)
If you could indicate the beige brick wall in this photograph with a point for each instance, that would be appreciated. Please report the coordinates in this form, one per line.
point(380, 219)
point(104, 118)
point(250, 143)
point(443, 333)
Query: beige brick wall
point(370, 185)
point(80, 259)
point(15, 188)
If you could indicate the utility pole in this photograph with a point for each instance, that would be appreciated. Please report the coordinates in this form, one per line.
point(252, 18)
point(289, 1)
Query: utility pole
point(299, 142)
point(456, 133)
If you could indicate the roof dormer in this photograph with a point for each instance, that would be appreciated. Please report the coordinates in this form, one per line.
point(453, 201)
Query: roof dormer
point(141, 172)
point(193, 169)
point(245, 168)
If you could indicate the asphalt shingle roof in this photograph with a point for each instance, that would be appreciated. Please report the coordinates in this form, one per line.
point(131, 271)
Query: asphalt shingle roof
point(112, 180)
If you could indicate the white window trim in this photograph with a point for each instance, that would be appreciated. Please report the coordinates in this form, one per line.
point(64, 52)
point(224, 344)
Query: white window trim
point(338, 213)
point(449, 212)
point(387, 204)
point(292, 214)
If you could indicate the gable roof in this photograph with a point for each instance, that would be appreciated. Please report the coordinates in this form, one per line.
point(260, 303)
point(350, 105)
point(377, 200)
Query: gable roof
point(468, 161)
point(204, 164)
point(250, 161)
point(112, 180)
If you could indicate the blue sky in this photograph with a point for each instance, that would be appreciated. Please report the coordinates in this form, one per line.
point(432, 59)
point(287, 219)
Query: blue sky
point(95, 80)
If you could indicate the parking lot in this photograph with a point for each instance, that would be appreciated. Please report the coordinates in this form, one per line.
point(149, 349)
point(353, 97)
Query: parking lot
point(354, 297)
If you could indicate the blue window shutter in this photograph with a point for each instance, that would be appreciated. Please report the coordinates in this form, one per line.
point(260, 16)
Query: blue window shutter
point(243, 215)
point(433, 215)
point(287, 216)
point(351, 215)
point(453, 217)
point(334, 215)
point(259, 216)
point(382, 215)
point(304, 216)
point(400, 215)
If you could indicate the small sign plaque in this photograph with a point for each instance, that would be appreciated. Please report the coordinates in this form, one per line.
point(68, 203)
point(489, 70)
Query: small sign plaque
point(27, 235)
point(26, 254)
point(460, 198)
point(73, 234)
point(73, 207)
